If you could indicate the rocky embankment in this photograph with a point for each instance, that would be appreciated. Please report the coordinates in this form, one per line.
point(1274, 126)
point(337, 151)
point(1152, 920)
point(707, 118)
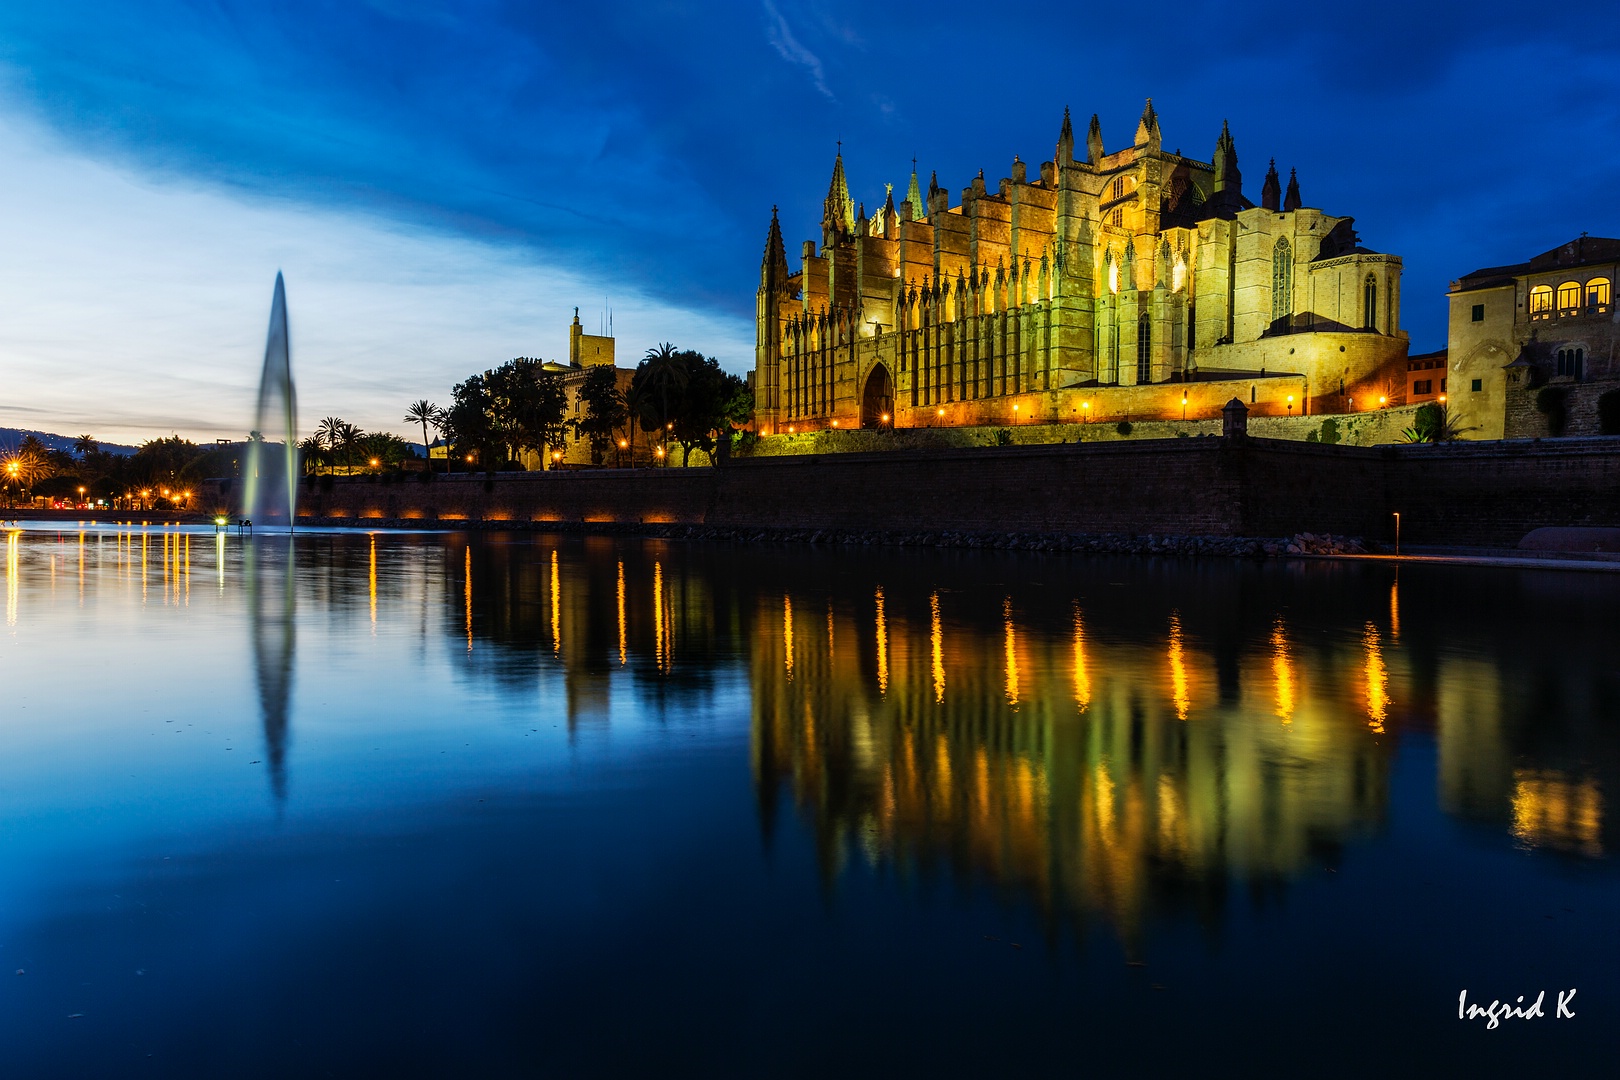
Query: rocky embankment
point(1086, 543)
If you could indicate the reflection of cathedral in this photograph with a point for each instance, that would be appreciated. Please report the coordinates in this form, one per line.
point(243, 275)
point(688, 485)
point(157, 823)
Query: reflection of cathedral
point(1101, 777)
point(1139, 282)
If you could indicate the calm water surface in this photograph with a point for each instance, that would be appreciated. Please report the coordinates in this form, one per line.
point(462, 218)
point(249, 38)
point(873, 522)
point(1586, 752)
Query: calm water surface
point(516, 805)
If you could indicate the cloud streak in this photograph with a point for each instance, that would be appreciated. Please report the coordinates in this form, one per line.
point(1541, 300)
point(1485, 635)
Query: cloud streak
point(782, 39)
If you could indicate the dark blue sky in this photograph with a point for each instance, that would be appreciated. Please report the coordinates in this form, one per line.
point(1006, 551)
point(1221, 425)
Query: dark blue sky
point(642, 145)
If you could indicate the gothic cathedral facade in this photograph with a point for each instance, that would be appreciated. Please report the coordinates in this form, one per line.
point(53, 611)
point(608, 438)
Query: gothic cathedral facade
point(1139, 282)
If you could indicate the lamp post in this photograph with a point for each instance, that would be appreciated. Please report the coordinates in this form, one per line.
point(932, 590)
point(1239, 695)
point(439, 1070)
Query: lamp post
point(1290, 404)
point(619, 458)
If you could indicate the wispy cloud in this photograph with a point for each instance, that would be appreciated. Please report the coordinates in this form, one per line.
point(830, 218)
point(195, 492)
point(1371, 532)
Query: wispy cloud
point(781, 37)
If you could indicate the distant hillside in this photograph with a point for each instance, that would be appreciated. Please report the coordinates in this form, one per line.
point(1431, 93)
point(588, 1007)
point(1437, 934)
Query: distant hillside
point(10, 437)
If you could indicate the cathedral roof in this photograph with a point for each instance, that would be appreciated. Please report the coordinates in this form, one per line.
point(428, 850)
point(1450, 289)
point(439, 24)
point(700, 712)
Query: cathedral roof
point(1581, 251)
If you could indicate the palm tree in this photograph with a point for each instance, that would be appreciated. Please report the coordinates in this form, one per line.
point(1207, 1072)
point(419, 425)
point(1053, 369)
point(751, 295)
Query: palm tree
point(85, 444)
point(423, 412)
point(330, 432)
point(347, 438)
point(310, 451)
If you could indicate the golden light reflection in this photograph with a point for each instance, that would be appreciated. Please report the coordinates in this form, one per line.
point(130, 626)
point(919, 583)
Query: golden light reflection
point(1282, 671)
point(1553, 811)
point(1011, 636)
point(832, 652)
point(624, 647)
point(882, 645)
point(1082, 679)
point(467, 592)
point(81, 569)
point(371, 583)
point(145, 540)
point(659, 644)
point(11, 577)
point(188, 570)
point(936, 639)
point(1178, 669)
point(1395, 608)
point(1377, 679)
point(787, 633)
point(219, 560)
point(556, 604)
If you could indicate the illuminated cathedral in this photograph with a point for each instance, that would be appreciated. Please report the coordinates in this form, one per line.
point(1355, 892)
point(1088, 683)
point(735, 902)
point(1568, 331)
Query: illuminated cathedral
point(1138, 283)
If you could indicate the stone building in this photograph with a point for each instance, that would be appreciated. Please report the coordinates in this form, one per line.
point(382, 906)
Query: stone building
point(1532, 345)
point(1099, 285)
point(585, 351)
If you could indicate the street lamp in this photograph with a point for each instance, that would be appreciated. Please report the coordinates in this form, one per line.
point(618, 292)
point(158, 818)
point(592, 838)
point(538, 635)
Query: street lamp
point(1290, 404)
point(1184, 406)
point(1382, 401)
point(1086, 405)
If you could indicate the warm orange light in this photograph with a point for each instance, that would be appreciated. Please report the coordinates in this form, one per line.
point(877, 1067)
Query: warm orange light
point(659, 451)
point(1442, 399)
point(835, 423)
point(940, 412)
point(885, 418)
point(623, 444)
point(469, 457)
point(374, 463)
point(670, 426)
point(1383, 400)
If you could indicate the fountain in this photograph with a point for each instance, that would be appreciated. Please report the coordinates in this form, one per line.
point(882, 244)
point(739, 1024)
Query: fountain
point(265, 477)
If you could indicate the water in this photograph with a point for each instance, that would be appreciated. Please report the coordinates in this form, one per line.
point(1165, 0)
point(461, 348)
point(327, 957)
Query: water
point(427, 804)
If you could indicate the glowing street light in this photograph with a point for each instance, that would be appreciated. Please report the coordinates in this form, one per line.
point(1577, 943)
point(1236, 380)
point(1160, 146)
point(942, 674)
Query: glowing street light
point(1184, 405)
point(1290, 404)
point(1086, 405)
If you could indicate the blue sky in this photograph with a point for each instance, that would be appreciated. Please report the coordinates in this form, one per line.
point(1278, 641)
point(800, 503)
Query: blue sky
point(443, 183)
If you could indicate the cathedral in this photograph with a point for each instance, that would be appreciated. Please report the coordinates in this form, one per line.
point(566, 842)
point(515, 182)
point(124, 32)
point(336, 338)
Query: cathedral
point(1101, 286)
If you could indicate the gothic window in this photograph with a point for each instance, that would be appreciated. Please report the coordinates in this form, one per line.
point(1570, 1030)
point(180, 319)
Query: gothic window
point(1116, 217)
point(1570, 362)
point(1282, 281)
point(1569, 298)
point(1144, 350)
point(1119, 188)
point(1369, 296)
point(1541, 302)
point(1597, 296)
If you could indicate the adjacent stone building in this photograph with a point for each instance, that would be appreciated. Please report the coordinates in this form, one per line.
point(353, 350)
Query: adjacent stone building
point(1138, 283)
point(1532, 345)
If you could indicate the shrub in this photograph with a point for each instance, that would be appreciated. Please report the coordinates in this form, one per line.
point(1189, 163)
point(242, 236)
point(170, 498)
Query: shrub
point(1330, 431)
point(1609, 413)
point(1310, 436)
point(1124, 427)
point(1003, 437)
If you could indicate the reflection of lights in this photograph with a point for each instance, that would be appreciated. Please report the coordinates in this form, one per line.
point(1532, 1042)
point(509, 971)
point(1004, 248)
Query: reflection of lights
point(1282, 670)
point(660, 644)
point(467, 593)
point(1012, 651)
point(1178, 669)
point(1377, 679)
point(1551, 810)
point(830, 651)
point(882, 645)
point(623, 651)
point(936, 638)
point(1395, 609)
point(11, 578)
point(556, 604)
point(787, 633)
point(372, 581)
point(1082, 680)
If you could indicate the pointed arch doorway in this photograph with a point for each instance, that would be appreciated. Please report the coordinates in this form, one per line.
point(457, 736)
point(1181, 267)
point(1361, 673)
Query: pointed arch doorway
point(877, 399)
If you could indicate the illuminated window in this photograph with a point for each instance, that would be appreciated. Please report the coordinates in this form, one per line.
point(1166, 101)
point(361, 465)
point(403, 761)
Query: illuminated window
point(1282, 281)
point(1541, 298)
point(1569, 298)
point(1597, 295)
point(1570, 362)
point(1369, 299)
point(1144, 350)
point(1116, 217)
point(1119, 188)
point(1479, 313)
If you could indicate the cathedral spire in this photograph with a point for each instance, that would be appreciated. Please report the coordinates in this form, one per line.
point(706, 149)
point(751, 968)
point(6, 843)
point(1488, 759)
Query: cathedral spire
point(1291, 199)
point(914, 196)
point(1227, 177)
point(1271, 191)
point(1147, 129)
point(1094, 143)
point(838, 213)
point(1065, 143)
point(773, 268)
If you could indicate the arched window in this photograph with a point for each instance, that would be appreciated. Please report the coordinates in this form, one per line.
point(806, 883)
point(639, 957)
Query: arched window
point(1570, 362)
point(1144, 350)
point(1597, 296)
point(1369, 301)
point(1569, 298)
point(1119, 188)
point(1282, 281)
point(1116, 217)
point(1541, 298)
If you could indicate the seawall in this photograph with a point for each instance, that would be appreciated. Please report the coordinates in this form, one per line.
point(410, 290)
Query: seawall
point(1483, 494)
